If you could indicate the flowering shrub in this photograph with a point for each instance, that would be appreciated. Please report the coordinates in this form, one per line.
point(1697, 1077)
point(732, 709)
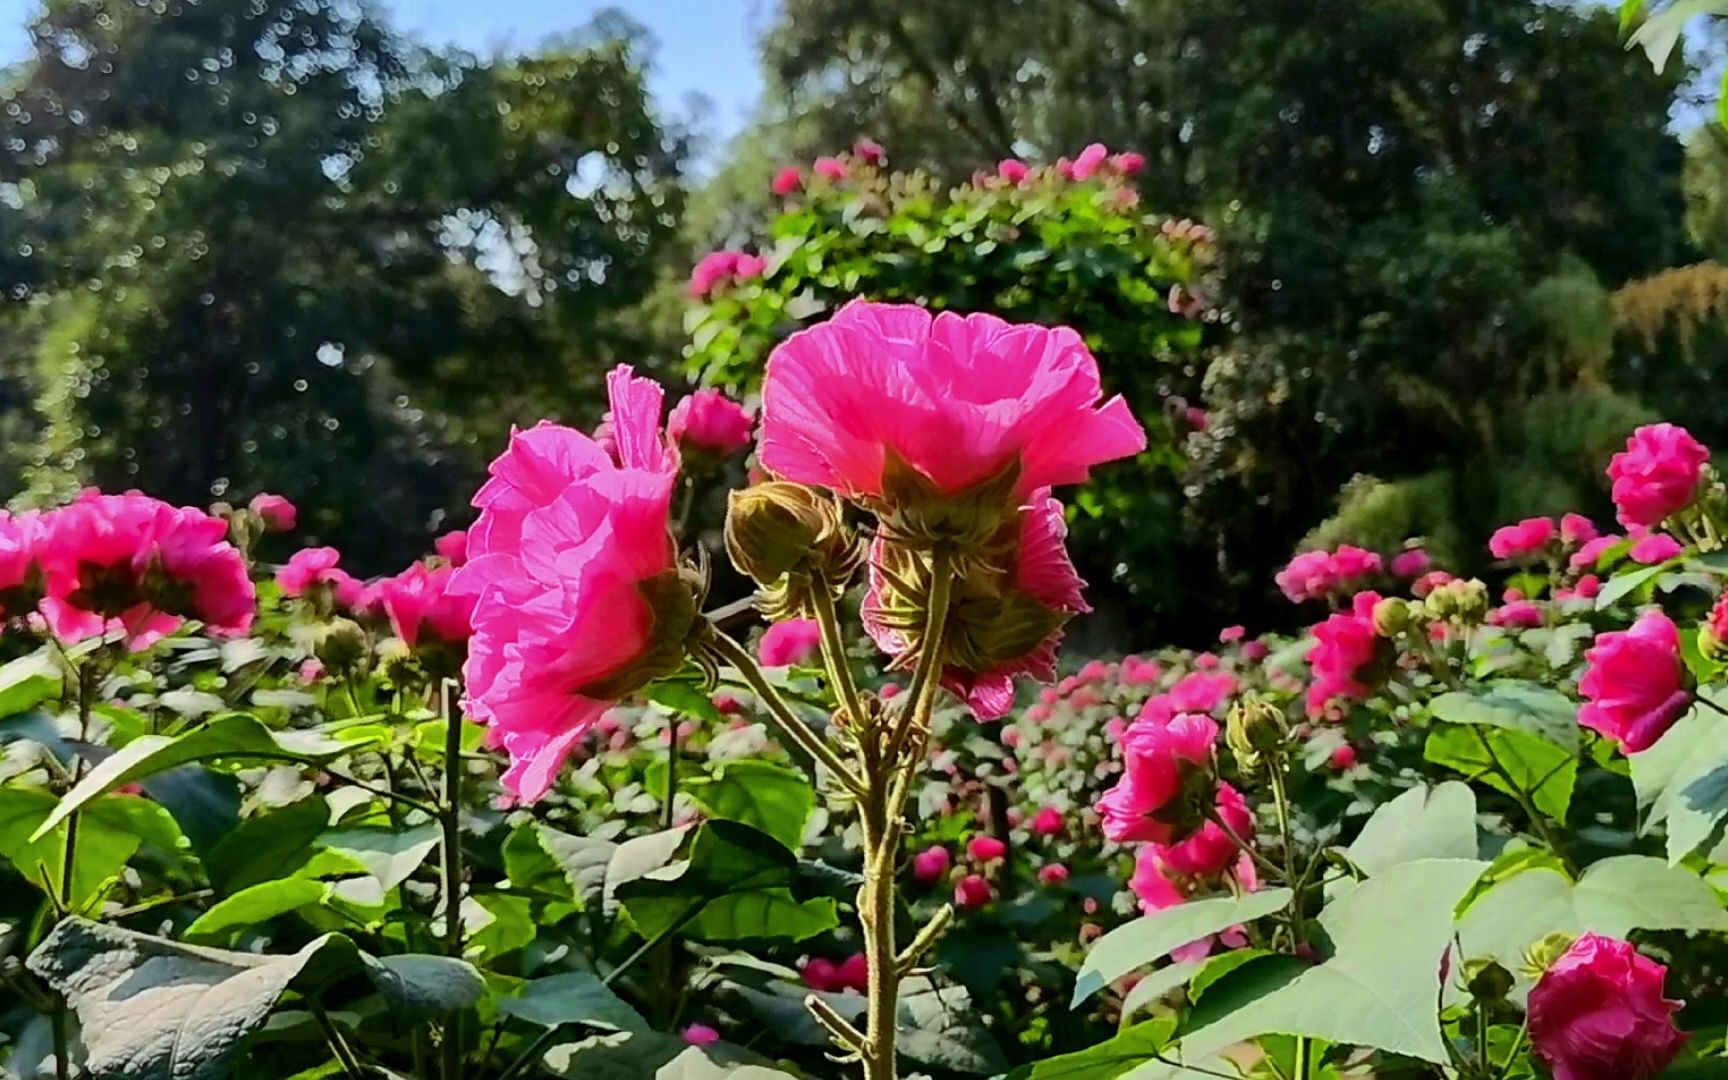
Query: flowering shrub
point(1064, 244)
point(538, 805)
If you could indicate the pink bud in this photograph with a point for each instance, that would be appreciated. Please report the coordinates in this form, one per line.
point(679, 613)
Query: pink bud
point(701, 1035)
point(1053, 873)
point(986, 848)
point(1047, 822)
point(853, 973)
point(973, 892)
point(929, 865)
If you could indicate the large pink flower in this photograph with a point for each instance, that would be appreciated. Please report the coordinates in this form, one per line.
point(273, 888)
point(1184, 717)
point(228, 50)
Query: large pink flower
point(709, 420)
point(422, 605)
point(311, 567)
point(1343, 645)
point(1656, 475)
point(958, 398)
point(1633, 683)
point(1034, 585)
point(22, 537)
point(133, 565)
point(1598, 1014)
point(1154, 758)
point(1520, 541)
point(1159, 885)
point(574, 571)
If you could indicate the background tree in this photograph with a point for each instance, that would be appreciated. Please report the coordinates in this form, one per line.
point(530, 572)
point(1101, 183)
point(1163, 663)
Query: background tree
point(270, 245)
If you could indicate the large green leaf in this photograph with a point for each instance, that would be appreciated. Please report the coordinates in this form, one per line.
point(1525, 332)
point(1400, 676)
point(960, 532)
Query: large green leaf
point(1508, 760)
point(573, 997)
point(29, 681)
point(1423, 823)
point(1108, 1060)
point(1379, 986)
point(742, 874)
point(391, 856)
point(267, 846)
point(253, 906)
point(1152, 937)
point(1613, 897)
point(1682, 781)
point(1516, 705)
point(769, 797)
point(154, 1009)
point(110, 832)
point(653, 1055)
point(234, 736)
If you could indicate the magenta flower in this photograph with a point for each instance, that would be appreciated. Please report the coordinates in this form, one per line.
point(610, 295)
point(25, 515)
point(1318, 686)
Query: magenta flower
point(719, 268)
point(1047, 822)
point(1013, 170)
point(710, 421)
point(1088, 162)
point(821, 973)
point(1411, 564)
point(452, 547)
point(1598, 1014)
point(1516, 615)
point(985, 848)
point(277, 513)
point(1128, 162)
point(958, 398)
point(22, 537)
point(1159, 886)
point(973, 892)
point(788, 180)
point(1202, 692)
point(1632, 683)
point(853, 973)
point(1342, 758)
point(700, 1035)
point(1654, 547)
point(1656, 475)
point(789, 642)
point(1520, 541)
point(1343, 645)
point(929, 865)
point(573, 569)
point(1578, 529)
point(1154, 758)
point(829, 168)
point(870, 152)
point(422, 606)
point(1591, 552)
point(133, 565)
point(1053, 874)
point(1209, 851)
point(1430, 581)
point(310, 568)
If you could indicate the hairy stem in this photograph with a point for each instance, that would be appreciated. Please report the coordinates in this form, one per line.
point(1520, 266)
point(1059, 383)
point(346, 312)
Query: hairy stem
point(834, 653)
point(794, 728)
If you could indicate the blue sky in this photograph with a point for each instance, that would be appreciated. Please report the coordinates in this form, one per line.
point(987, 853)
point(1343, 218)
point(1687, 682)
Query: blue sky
point(706, 46)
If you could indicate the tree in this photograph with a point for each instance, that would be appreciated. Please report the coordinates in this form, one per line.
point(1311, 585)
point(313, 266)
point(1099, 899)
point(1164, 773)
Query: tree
point(1391, 178)
point(274, 246)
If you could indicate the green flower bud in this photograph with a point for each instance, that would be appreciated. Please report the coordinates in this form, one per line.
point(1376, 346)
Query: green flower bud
point(1487, 981)
point(340, 645)
point(1391, 617)
point(1545, 953)
point(1254, 728)
point(785, 536)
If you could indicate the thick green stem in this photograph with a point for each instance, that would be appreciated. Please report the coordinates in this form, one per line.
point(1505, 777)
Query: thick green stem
point(69, 860)
point(450, 816)
point(794, 728)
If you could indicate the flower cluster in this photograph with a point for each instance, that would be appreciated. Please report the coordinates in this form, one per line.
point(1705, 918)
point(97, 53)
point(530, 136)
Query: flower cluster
point(719, 268)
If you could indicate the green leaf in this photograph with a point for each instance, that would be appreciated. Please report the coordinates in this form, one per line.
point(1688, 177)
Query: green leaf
point(1625, 584)
point(417, 986)
point(233, 736)
point(1380, 984)
point(267, 846)
point(763, 914)
point(109, 833)
point(1682, 781)
point(29, 681)
point(683, 698)
point(736, 883)
point(505, 923)
point(1152, 937)
point(253, 906)
point(769, 797)
point(653, 1055)
point(1423, 823)
point(1153, 987)
point(1107, 1060)
point(391, 857)
point(1536, 767)
point(1614, 897)
point(572, 997)
point(1517, 706)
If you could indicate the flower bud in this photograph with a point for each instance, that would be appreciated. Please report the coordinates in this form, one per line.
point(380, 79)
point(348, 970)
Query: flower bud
point(396, 662)
point(1463, 601)
point(1254, 728)
point(782, 535)
point(1391, 616)
point(340, 645)
point(1543, 955)
point(1487, 981)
